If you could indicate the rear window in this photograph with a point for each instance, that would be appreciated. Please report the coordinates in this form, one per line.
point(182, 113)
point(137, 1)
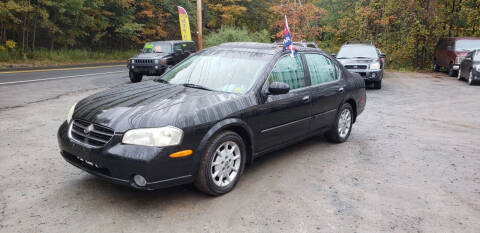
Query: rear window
point(467, 45)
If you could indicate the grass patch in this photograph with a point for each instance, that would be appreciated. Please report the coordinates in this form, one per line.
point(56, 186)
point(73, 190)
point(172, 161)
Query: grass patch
point(45, 57)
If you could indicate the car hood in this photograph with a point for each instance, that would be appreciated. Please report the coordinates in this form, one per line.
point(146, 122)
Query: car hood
point(151, 104)
point(461, 54)
point(356, 61)
point(151, 55)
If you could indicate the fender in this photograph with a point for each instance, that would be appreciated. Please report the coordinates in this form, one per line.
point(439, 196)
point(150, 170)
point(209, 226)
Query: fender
point(218, 127)
point(347, 97)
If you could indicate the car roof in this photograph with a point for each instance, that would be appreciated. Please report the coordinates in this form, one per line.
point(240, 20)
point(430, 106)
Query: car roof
point(256, 47)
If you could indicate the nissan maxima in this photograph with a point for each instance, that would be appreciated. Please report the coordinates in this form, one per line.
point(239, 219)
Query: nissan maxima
point(210, 115)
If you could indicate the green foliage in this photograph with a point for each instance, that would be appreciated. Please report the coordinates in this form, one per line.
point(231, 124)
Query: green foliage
point(232, 34)
point(406, 30)
point(64, 56)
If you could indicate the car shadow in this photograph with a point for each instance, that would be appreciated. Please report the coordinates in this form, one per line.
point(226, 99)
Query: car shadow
point(91, 187)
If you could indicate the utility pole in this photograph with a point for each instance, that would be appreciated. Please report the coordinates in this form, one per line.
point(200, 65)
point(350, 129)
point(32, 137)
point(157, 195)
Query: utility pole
point(199, 25)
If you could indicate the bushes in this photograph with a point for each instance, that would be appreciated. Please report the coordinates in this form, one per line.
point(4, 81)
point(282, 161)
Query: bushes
point(232, 34)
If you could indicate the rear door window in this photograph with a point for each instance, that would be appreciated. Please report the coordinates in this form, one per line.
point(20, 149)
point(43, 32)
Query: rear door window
point(322, 69)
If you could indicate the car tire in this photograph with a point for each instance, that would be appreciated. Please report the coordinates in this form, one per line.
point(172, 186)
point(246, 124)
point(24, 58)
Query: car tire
point(135, 78)
point(470, 78)
point(459, 75)
point(343, 120)
point(218, 152)
point(451, 71)
point(436, 68)
point(377, 84)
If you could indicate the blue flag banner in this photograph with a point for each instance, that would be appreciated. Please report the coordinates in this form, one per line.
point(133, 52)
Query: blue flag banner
point(287, 39)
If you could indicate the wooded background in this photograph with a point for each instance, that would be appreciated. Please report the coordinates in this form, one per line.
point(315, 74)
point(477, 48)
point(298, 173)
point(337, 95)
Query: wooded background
point(406, 30)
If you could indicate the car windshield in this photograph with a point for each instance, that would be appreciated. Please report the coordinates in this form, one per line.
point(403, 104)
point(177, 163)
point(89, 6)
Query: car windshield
point(228, 71)
point(155, 47)
point(467, 45)
point(357, 52)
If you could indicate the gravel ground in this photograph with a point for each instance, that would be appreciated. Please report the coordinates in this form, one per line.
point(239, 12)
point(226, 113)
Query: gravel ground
point(412, 164)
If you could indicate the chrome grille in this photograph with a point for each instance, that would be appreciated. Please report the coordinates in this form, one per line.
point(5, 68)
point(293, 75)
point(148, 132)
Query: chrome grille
point(356, 67)
point(91, 134)
point(144, 61)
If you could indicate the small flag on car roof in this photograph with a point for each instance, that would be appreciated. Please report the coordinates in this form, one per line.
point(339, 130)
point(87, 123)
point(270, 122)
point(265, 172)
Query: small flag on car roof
point(287, 40)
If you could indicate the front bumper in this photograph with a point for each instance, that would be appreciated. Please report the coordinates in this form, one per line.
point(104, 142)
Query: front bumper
point(369, 75)
point(150, 69)
point(118, 163)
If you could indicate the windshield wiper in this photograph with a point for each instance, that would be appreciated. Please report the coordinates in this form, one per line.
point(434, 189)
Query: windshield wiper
point(161, 80)
point(363, 57)
point(191, 85)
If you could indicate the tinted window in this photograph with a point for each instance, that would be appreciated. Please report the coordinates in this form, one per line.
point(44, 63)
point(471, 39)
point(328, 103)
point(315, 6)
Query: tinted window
point(467, 45)
point(289, 70)
point(228, 71)
point(155, 47)
point(322, 69)
point(357, 51)
point(178, 47)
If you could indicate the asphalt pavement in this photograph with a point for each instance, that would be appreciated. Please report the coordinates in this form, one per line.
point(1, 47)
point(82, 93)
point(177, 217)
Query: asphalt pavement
point(36, 75)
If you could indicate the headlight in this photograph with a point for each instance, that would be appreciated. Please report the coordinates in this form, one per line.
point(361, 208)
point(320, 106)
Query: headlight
point(156, 61)
point(70, 113)
point(165, 136)
point(477, 68)
point(375, 66)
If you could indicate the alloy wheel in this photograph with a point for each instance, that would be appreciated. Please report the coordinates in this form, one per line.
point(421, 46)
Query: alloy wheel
point(225, 163)
point(344, 123)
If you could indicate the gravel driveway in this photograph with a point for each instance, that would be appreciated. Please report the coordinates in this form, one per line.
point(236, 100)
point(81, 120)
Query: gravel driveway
point(412, 164)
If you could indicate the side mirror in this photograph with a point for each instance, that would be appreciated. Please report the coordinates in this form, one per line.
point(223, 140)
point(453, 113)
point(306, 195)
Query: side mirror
point(333, 55)
point(178, 50)
point(383, 55)
point(278, 88)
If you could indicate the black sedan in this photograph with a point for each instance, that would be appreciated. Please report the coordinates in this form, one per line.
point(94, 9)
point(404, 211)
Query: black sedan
point(470, 68)
point(203, 120)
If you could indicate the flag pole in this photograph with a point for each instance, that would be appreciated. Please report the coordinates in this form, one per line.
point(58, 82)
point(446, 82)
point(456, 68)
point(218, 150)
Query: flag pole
point(199, 25)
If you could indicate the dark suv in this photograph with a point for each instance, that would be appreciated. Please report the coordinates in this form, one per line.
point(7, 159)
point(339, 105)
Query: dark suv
point(450, 52)
point(364, 59)
point(157, 56)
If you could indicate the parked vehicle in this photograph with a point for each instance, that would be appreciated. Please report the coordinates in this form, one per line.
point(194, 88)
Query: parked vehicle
point(203, 120)
point(305, 44)
point(470, 67)
point(364, 59)
point(450, 52)
point(157, 56)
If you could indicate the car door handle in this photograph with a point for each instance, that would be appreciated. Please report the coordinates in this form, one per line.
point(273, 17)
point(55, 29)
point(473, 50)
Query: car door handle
point(306, 98)
point(341, 89)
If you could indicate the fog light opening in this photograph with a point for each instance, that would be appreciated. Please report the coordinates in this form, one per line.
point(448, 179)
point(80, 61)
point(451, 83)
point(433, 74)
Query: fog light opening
point(374, 75)
point(139, 180)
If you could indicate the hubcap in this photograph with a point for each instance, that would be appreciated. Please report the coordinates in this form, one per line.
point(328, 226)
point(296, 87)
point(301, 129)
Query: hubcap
point(470, 77)
point(344, 123)
point(225, 164)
